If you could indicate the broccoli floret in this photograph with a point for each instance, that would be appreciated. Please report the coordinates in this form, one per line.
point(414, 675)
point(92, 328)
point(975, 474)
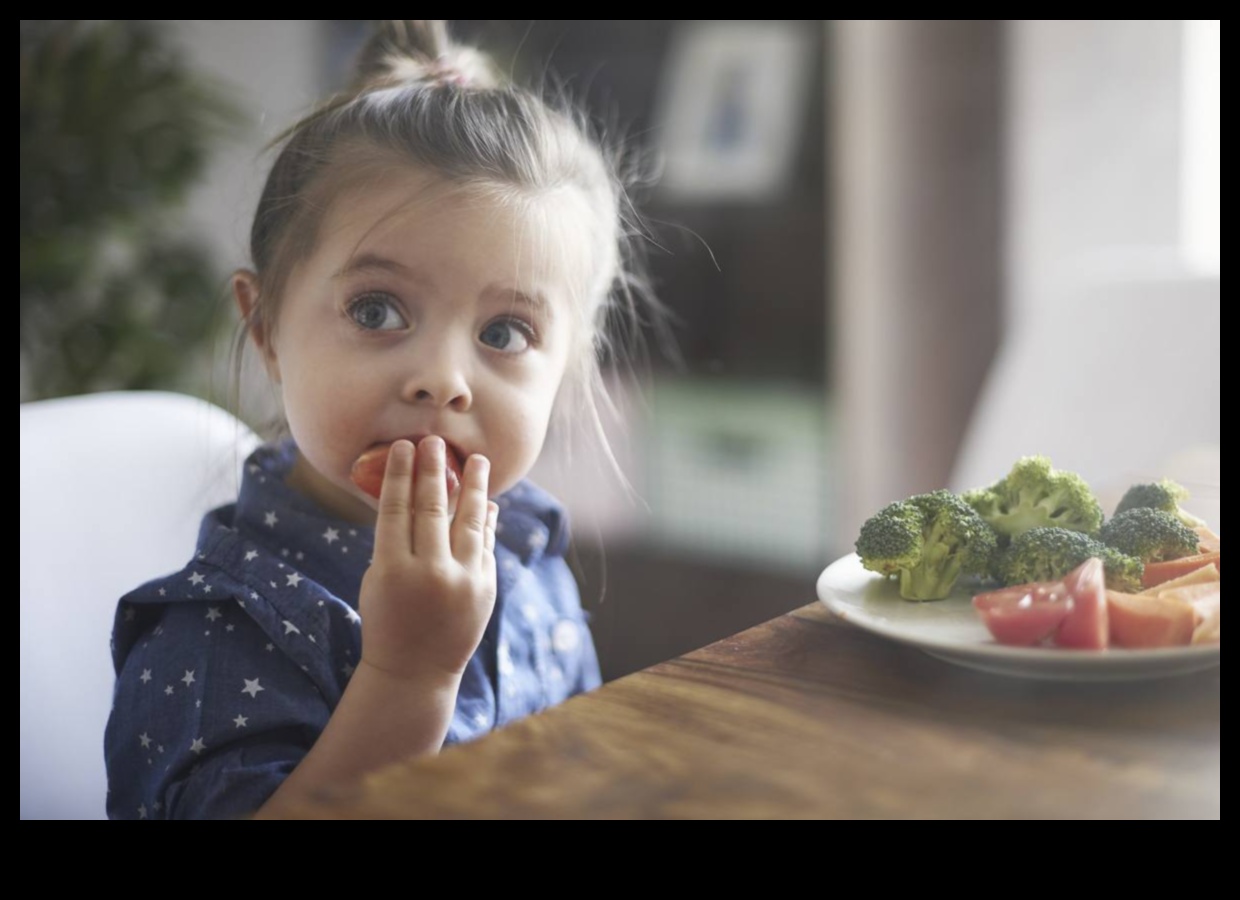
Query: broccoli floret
point(1049, 553)
point(1165, 495)
point(1123, 572)
point(1150, 534)
point(927, 541)
point(1036, 495)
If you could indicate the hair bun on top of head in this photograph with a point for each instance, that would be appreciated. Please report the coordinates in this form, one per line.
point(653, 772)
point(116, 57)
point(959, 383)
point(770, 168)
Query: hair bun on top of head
point(420, 50)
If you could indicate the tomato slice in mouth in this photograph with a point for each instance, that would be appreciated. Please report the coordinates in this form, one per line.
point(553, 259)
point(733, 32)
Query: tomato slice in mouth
point(368, 469)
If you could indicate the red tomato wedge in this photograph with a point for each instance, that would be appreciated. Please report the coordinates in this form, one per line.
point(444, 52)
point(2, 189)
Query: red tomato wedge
point(1071, 612)
point(368, 469)
point(1085, 627)
point(1024, 614)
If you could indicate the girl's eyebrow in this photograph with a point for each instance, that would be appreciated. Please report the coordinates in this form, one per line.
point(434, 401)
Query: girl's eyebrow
point(372, 262)
point(536, 303)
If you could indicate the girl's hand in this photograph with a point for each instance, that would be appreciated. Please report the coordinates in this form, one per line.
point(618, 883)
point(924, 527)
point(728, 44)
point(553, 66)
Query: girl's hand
point(430, 589)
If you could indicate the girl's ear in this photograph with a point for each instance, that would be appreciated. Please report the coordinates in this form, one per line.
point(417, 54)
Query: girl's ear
point(245, 292)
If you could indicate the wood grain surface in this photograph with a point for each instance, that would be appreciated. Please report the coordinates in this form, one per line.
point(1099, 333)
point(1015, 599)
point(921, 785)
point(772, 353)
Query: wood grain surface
point(807, 717)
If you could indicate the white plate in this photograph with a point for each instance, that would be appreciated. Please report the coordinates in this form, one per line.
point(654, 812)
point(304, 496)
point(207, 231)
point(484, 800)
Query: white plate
point(951, 630)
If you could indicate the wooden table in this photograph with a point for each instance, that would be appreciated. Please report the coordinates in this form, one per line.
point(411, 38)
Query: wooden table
point(808, 717)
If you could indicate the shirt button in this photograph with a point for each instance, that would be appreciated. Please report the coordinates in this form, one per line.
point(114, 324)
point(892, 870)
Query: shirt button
point(565, 636)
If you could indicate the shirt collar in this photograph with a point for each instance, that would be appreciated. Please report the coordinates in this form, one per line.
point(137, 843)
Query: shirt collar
point(292, 526)
point(532, 523)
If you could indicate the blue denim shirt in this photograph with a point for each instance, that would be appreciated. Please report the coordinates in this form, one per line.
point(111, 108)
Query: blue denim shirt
point(228, 670)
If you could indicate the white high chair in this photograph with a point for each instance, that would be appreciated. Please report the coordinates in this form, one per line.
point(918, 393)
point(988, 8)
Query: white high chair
point(113, 487)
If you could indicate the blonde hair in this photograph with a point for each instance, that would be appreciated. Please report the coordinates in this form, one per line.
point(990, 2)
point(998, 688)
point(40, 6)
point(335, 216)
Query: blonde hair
point(421, 98)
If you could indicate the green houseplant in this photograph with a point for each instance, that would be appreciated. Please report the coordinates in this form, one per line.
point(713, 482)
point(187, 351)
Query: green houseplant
point(115, 128)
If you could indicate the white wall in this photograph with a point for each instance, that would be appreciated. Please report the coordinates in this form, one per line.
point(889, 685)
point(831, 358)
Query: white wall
point(1093, 165)
point(274, 70)
point(1111, 361)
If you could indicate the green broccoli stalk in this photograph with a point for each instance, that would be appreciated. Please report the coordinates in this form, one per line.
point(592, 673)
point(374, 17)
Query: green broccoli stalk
point(1150, 534)
point(1035, 495)
point(1166, 495)
point(1049, 553)
point(928, 542)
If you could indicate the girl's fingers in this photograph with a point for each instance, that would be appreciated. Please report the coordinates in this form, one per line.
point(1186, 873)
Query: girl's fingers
point(430, 500)
point(488, 558)
point(392, 528)
point(469, 526)
point(492, 522)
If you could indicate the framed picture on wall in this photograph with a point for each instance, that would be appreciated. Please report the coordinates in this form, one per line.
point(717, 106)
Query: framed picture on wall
point(731, 107)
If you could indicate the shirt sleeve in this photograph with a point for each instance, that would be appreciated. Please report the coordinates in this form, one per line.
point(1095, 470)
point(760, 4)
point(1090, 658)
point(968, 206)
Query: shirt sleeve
point(208, 716)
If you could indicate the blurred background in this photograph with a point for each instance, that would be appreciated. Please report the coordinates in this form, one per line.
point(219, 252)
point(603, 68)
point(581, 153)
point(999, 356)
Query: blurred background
point(900, 254)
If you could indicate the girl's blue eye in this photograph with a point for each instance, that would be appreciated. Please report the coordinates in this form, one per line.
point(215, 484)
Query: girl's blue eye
point(507, 335)
point(376, 312)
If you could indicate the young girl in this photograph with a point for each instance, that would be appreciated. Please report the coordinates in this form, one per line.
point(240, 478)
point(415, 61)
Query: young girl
point(434, 257)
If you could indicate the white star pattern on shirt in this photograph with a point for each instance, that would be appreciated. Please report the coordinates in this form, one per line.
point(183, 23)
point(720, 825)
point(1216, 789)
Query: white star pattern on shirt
point(213, 613)
point(252, 687)
point(352, 614)
point(251, 555)
point(198, 746)
point(331, 534)
point(270, 519)
point(537, 540)
point(294, 579)
point(504, 660)
point(142, 811)
point(240, 721)
point(196, 579)
point(145, 739)
point(145, 676)
point(188, 677)
point(168, 690)
point(290, 628)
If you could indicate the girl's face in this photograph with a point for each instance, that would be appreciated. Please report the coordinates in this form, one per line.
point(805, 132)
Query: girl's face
point(422, 310)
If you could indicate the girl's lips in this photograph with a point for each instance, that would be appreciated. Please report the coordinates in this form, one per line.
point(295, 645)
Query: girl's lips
point(368, 469)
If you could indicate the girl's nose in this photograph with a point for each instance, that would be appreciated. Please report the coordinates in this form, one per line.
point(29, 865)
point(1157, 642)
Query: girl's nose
point(439, 383)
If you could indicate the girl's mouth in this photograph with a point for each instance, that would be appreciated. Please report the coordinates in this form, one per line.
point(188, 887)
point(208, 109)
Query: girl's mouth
point(368, 469)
